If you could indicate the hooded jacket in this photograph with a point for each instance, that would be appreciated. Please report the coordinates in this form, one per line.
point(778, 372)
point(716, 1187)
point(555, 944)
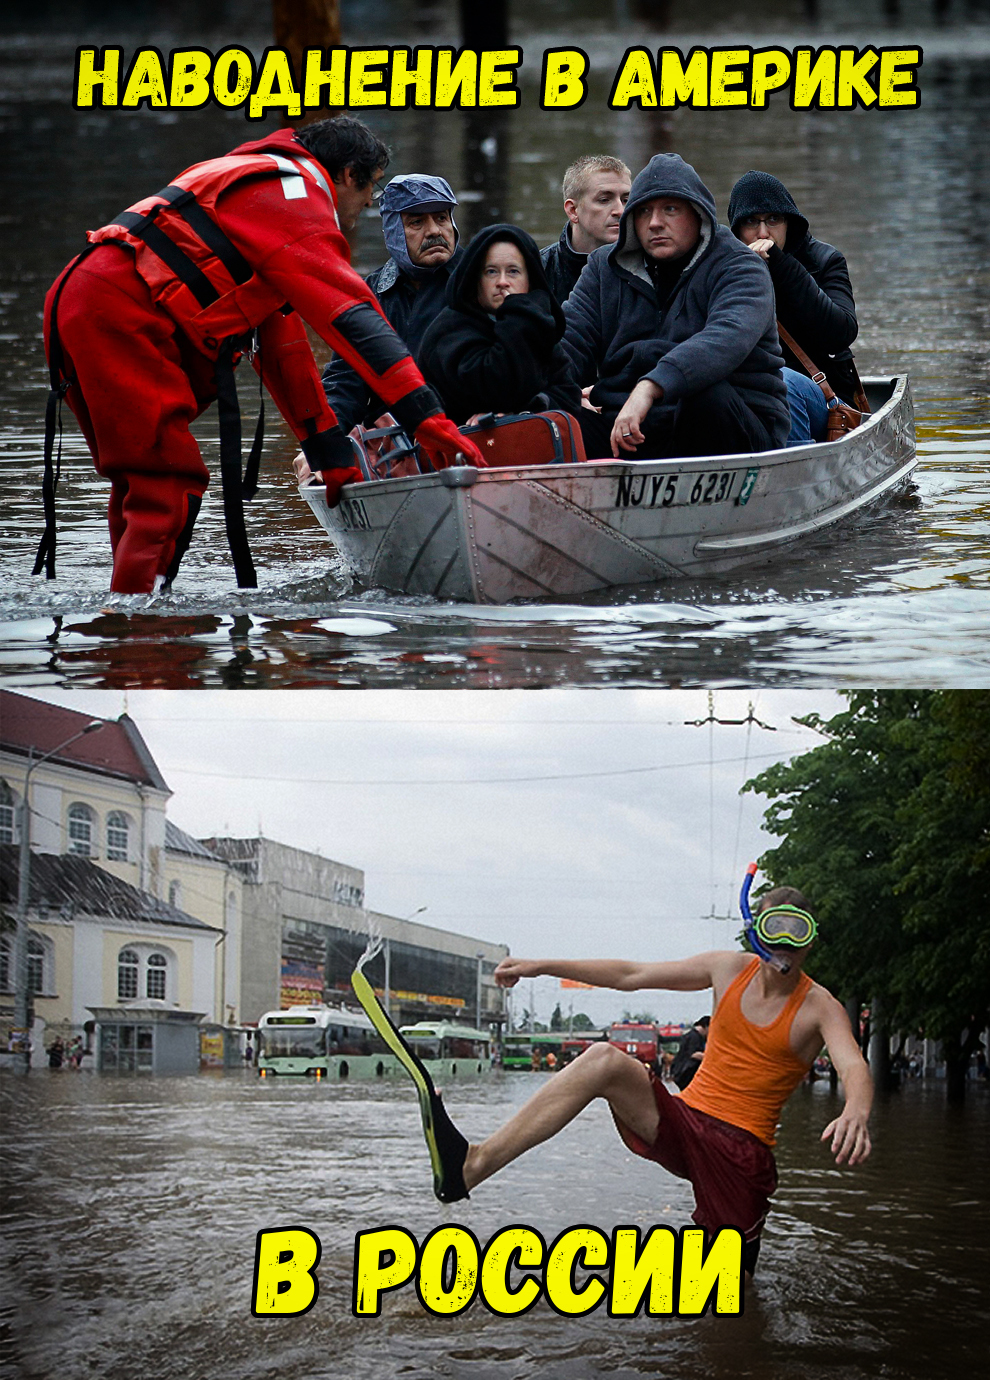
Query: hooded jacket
point(506, 361)
point(810, 280)
point(562, 265)
point(715, 324)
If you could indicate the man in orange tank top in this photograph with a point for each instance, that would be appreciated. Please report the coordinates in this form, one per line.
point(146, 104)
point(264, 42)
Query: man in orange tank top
point(769, 1024)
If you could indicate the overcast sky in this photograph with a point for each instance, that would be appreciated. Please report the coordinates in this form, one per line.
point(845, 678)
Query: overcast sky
point(563, 823)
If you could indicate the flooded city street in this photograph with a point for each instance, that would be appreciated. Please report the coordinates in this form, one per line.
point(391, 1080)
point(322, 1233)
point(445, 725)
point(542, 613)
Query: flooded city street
point(132, 1207)
point(899, 595)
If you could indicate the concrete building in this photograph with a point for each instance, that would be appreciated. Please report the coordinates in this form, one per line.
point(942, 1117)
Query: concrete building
point(305, 927)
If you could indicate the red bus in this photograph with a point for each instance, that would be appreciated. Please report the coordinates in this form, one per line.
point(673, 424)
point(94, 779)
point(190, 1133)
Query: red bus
point(636, 1038)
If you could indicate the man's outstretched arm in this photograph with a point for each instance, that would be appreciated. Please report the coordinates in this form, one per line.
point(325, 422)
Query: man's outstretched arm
point(685, 975)
point(849, 1132)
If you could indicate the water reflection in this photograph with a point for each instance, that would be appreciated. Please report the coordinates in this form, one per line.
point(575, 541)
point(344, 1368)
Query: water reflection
point(132, 1208)
point(901, 595)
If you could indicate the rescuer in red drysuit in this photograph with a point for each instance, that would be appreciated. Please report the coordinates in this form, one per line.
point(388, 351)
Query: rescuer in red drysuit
point(149, 321)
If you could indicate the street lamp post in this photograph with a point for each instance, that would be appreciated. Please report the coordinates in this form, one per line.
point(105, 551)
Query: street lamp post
point(477, 998)
point(24, 889)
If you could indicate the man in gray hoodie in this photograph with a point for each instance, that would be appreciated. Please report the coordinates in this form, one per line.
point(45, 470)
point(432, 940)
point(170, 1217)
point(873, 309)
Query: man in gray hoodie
point(675, 329)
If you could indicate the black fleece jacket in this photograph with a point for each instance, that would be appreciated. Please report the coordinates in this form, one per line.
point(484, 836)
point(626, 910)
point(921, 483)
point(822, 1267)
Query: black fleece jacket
point(810, 281)
point(506, 361)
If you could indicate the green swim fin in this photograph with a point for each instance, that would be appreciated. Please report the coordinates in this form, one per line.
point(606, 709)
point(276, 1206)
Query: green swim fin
point(447, 1147)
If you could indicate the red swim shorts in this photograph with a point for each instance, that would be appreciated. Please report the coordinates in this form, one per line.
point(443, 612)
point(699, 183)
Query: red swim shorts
point(732, 1173)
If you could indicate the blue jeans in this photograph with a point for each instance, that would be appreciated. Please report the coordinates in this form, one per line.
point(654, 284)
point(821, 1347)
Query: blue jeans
point(809, 410)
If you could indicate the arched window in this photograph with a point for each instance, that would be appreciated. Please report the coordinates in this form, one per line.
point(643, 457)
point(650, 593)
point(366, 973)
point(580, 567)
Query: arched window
point(8, 814)
point(175, 894)
point(81, 820)
point(127, 975)
point(157, 966)
point(118, 836)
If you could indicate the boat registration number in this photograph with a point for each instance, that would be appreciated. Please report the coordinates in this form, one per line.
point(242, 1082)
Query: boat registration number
point(677, 490)
point(354, 515)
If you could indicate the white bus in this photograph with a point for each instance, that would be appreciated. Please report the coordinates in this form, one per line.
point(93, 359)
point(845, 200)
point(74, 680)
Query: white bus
point(322, 1042)
point(449, 1050)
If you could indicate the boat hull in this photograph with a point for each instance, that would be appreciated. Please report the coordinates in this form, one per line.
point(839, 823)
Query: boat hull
point(559, 531)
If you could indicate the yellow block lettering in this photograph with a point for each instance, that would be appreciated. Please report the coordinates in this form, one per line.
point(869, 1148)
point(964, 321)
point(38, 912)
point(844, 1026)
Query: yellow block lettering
point(720, 1270)
point(492, 74)
point(89, 76)
point(457, 85)
point(852, 77)
point(236, 63)
point(680, 83)
point(563, 86)
point(635, 82)
point(448, 1271)
point(591, 1246)
point(634, 1271)
point(383, 1260)
point(892, 75)
point(285, 1272)
point(316, 77)
point(771, 70)
point(726, 64)
point(367, 81)
point(275, 88)
point(145, 80)
point(189, 85)
point(810, 79)
point(519, 1246)
point(403, 77)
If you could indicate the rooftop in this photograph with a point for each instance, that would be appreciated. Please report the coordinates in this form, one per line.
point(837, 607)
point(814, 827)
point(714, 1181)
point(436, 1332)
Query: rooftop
point(75, 887)
point(116, 750)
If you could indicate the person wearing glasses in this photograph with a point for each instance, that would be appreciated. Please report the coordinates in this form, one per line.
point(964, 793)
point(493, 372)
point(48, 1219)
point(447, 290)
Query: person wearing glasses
point(814, 296)
point(143, 330)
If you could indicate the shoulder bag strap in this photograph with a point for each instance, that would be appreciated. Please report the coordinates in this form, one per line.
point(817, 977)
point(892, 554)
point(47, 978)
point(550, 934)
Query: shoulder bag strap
point(817, 376)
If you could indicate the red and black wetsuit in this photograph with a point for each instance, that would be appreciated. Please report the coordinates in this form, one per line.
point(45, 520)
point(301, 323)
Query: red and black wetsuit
point(151, 318)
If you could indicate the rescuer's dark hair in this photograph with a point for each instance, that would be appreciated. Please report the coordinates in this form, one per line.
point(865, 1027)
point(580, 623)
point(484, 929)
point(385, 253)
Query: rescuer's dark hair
point(344, 142)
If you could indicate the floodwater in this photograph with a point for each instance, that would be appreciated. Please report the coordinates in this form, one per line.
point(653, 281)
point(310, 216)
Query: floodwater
point(132, 1205)
point(901, 595)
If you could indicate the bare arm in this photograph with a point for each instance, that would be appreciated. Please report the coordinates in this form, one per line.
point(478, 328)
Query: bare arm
point(850, 1136)
point(685, 975)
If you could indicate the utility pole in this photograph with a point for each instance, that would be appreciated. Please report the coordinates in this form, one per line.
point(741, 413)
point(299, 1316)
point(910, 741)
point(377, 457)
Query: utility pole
point(22, 1030)
point(301, 24)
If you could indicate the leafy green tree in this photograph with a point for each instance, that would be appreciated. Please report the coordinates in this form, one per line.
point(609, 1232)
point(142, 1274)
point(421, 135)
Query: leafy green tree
point(580, 1021)
point(886, 828)
point(557, 1019)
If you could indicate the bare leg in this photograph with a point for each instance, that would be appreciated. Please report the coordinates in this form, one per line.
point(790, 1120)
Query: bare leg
point(601, 1071)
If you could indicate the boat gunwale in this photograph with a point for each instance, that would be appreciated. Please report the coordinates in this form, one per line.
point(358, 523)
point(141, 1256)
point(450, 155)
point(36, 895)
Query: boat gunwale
point(611, 466)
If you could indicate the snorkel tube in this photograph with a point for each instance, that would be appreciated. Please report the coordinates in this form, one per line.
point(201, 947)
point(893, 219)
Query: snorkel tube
point(756, 943)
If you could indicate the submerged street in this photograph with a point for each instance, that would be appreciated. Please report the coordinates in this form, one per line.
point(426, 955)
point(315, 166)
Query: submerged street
point(132, 1206)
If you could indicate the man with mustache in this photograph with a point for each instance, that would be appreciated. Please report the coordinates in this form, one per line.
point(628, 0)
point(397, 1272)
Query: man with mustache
point(421, 237)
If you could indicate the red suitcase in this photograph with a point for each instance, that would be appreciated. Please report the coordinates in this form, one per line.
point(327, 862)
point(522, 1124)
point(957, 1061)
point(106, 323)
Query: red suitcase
point(529, 438)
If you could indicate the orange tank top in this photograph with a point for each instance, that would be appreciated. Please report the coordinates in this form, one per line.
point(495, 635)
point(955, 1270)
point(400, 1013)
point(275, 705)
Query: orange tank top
point(749, 1071)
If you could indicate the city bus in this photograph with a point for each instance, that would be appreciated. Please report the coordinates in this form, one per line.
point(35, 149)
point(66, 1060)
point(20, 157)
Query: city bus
point(322, 1042)
point(449, 1050)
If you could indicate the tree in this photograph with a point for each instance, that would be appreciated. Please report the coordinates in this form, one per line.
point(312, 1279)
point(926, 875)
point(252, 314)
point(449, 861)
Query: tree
point(580, 1021)
point(886, 827)
point(557, 1019)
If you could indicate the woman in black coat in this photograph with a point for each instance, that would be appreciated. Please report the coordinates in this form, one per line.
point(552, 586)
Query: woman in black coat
point(814, 296)
point(495, 346)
